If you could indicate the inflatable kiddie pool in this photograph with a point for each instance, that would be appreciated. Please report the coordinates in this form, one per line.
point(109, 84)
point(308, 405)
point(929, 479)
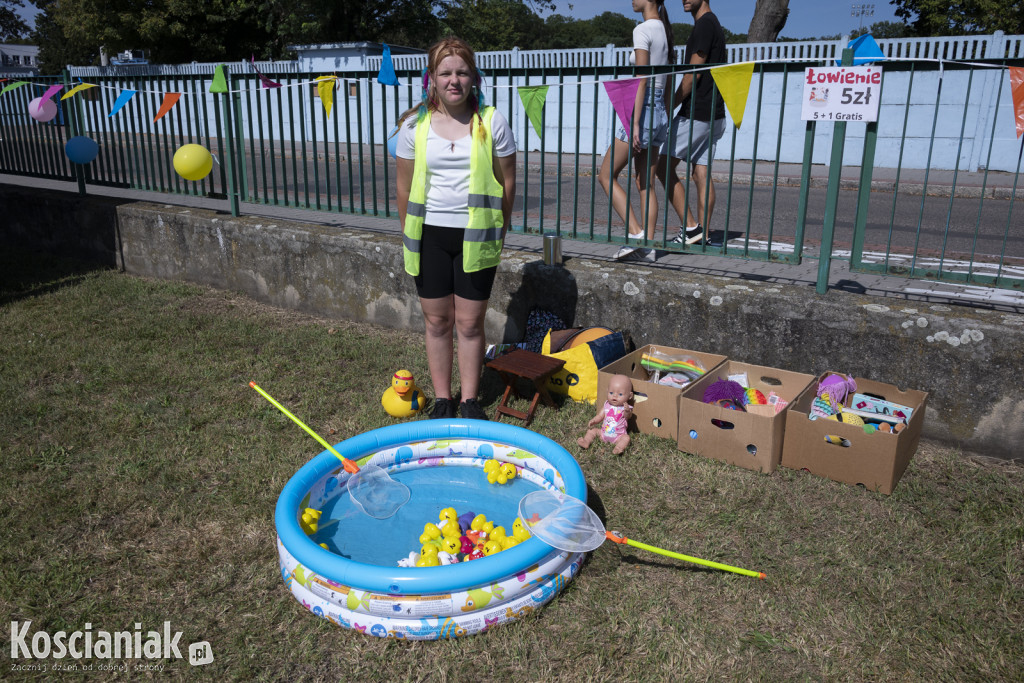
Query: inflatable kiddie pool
point(356, 582)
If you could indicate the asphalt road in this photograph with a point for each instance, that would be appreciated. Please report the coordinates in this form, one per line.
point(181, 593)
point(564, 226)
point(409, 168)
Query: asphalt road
point(902, 221)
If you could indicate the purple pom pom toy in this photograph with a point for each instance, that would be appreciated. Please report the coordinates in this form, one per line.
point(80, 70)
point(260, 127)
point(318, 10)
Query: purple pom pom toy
point(726, 393)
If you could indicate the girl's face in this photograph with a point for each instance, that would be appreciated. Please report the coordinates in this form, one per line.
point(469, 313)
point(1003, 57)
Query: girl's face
point(453, 82)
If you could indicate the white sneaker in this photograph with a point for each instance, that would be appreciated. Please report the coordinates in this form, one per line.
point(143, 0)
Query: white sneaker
point(630, 253)
point(646, 255)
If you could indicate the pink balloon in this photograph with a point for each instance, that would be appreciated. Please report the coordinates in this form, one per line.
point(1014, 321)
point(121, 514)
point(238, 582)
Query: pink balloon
point(42, 110)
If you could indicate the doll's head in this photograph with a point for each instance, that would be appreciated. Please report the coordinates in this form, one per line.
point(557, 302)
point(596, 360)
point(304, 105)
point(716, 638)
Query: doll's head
point(620, 390)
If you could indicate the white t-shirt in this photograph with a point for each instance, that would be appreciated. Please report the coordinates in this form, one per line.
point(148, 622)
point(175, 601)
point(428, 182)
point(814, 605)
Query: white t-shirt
point(650, 36)
point(448, 169)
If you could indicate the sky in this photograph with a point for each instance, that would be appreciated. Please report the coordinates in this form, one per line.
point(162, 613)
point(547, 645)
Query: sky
point(807, 18)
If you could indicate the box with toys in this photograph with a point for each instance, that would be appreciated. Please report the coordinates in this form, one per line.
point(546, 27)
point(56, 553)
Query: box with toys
point(658, 374)
point(737, 414)
point(854, 430)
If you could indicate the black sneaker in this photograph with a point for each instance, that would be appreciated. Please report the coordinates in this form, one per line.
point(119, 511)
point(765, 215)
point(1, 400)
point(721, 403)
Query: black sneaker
point(444, 409)
point(471, 410)
point(692, 235)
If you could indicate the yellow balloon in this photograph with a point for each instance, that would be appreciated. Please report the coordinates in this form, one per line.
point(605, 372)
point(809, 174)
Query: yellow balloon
point(193, 162)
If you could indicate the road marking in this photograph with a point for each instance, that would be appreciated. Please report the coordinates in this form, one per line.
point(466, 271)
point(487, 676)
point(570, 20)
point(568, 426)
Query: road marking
point(958, 291)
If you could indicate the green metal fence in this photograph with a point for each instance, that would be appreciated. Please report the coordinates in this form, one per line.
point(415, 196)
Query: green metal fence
point(275, 146)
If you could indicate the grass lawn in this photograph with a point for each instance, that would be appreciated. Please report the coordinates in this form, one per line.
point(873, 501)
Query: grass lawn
point(139, 473)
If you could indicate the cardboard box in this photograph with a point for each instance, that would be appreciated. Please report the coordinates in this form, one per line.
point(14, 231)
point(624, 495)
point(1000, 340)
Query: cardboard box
point(751, 439)
point(655, 406)
point(876, 461)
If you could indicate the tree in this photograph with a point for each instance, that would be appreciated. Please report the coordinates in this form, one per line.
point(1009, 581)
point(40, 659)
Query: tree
point(176, 31)
point(768, 20)
point(57, 50)
point(611, 28)
point(403, 22)
point(495, 24)
point(961, 17)
point(11, 25)
point(885, 29)
point(561, 32)
point(879, 29)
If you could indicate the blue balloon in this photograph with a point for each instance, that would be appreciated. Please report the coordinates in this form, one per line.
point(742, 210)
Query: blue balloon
point(393, 142)
point(81, 149)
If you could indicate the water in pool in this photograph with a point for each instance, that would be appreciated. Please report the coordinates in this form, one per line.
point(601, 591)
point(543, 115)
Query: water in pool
point(355, 535)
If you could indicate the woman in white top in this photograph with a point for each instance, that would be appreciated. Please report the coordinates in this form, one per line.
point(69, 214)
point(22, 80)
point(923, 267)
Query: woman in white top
point(454, 221)
point(652, 45)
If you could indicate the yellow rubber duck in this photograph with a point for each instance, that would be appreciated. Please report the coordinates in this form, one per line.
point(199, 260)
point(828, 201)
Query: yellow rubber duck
point(519, 531)
point(430, 532)
point(403, 398)
point(310, 520)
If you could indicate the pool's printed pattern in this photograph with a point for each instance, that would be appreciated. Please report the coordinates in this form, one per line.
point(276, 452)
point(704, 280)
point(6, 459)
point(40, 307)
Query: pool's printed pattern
point(430, 616)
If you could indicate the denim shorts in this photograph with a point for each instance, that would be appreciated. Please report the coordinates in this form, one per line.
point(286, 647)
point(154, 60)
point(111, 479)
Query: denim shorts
point(653, 133)
point(703, 140)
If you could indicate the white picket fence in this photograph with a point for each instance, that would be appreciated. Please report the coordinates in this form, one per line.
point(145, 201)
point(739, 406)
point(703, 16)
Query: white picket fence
point(906, 118)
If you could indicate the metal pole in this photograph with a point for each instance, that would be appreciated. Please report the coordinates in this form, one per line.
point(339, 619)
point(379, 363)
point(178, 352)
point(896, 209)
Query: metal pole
point(832, 195)
point(229, 136)
point(76, 124)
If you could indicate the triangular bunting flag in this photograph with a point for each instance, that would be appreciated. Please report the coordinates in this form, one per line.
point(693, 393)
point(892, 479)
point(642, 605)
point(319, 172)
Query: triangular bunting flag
point(77, 89)
point(12, 86)
point(220, 83)
point(733, 82)
point(533, 97)
point(122, 100)
point(170, 99)
point(50, 92)
point(325, 86)
point(386, 75)
point(865, 50)
point(266, 82)
point(623, 96)
point(1017, 91)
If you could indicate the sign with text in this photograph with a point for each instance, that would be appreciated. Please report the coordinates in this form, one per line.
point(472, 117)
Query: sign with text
point(841, 93)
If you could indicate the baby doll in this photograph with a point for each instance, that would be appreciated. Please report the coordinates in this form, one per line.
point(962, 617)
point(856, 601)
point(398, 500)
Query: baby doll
point(614, 416)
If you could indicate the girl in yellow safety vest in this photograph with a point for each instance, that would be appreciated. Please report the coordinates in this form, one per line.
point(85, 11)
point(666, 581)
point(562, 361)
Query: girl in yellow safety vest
point(456, 186)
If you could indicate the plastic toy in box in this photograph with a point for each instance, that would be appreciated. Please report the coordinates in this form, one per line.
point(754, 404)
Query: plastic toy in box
point(671, 369)
point(875, 409)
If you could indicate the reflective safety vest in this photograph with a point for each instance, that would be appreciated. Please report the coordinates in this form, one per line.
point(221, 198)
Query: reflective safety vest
point(481, 246)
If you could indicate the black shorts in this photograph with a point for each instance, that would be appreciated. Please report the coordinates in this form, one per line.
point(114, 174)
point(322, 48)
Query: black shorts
point(441, 273)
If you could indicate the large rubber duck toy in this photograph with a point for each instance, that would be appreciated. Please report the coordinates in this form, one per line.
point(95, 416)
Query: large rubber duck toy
point(403, 398)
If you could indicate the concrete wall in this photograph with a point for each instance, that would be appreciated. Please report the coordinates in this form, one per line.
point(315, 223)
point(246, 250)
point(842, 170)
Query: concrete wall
point(968, 359)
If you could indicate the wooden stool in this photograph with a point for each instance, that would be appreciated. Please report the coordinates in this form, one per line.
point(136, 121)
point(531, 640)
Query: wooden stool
point(521, 364)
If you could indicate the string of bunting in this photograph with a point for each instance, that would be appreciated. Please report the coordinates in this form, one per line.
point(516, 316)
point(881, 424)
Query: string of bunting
point(732, 80)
